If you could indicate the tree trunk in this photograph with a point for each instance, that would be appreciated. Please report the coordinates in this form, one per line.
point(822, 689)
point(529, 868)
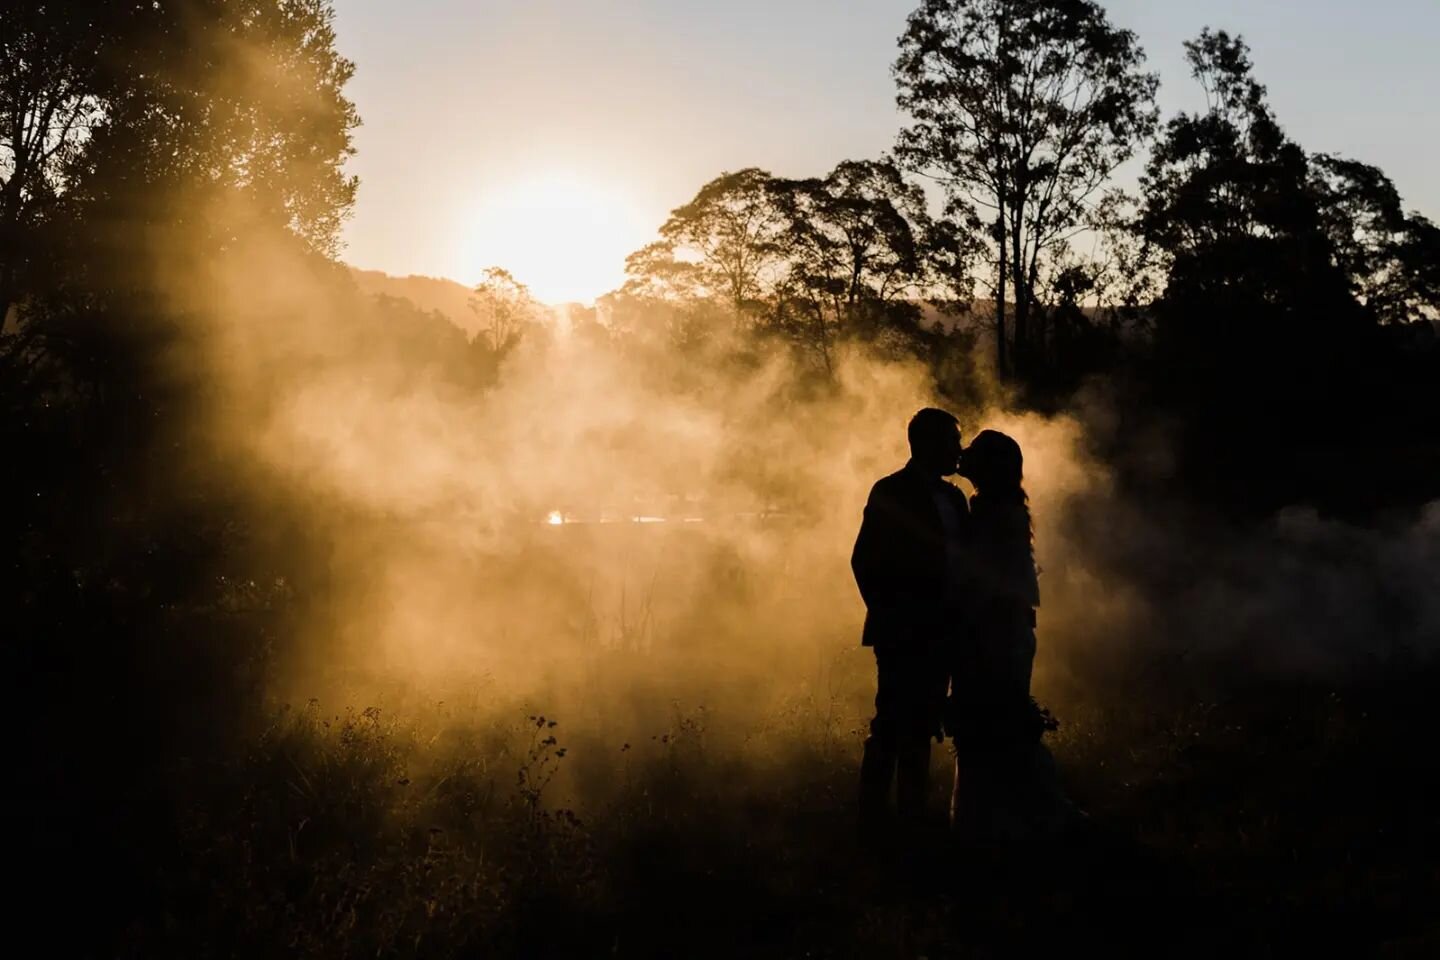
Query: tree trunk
point(9, 274)
point(1022, 297)
point(1039, 321)
point(4, 298)
point(1000, 357)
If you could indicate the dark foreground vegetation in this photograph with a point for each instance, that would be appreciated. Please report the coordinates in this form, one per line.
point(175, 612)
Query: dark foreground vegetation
point(1254, 821)
point(1259, 336)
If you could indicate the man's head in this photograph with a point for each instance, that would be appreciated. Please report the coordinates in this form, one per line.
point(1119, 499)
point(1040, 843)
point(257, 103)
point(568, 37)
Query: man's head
point(935, 441)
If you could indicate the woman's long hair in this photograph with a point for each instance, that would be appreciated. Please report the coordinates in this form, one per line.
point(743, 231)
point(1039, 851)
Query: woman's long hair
point(994, 464)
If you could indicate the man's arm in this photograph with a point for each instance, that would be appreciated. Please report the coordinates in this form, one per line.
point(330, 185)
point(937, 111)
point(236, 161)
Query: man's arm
point(868, 561)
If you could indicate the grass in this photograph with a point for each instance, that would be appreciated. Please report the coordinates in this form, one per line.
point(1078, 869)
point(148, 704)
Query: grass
point(1255, 820)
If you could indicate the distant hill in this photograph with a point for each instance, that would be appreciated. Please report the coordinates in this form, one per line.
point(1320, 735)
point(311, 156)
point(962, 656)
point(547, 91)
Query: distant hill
point(428, 293)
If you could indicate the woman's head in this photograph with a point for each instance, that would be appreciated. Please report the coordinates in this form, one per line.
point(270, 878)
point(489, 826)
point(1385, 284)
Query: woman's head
point(993, 463)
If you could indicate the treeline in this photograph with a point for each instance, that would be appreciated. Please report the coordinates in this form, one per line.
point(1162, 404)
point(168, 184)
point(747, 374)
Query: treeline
point(1255, 299)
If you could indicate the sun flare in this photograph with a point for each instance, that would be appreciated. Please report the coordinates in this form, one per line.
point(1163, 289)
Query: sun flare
point(562, 234)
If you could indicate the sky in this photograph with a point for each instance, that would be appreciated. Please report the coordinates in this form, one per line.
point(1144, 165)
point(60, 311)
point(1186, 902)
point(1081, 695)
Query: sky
point(552, 137)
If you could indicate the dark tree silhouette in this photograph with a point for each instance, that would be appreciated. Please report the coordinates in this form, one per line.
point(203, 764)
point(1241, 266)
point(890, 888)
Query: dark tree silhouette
point(141, 144)
point(1237, 209)
point(720, 246)
point(172, 116)
point(50, 100)
point(233, 110)
point(1390, 257)
point(1024, 108)
point(861, 254)
point(1276, 268)
point(855, 254)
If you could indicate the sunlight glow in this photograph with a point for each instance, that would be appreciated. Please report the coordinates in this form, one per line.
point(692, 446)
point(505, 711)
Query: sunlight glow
point(563, 235)
point(555, 518)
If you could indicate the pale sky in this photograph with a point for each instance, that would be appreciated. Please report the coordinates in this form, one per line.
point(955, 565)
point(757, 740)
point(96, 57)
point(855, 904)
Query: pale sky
point(552, 137)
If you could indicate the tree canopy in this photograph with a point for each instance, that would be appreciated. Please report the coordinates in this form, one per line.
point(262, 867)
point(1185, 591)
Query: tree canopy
point(1023, 108)
point(854, 254)
point(192, 115)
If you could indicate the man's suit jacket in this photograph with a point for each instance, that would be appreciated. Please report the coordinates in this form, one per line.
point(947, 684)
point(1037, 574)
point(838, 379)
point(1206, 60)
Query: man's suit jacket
point(899, 559)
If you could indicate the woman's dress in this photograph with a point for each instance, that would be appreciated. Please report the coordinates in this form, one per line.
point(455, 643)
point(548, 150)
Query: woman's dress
point(1005, 783)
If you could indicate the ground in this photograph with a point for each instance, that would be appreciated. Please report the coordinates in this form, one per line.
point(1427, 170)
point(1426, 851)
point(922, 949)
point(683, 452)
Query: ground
point(1247, 818)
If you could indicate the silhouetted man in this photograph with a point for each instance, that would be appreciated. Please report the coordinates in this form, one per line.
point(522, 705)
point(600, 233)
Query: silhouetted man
point(907, 561)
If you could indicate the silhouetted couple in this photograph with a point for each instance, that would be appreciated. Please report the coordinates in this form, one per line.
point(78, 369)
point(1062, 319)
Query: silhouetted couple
point(950, 590)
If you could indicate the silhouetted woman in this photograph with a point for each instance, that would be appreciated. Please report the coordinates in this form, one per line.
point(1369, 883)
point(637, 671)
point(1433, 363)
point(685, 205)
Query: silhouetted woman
point(1005, 784)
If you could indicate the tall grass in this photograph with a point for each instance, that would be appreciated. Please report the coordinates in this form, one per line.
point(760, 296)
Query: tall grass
point(1255, 818)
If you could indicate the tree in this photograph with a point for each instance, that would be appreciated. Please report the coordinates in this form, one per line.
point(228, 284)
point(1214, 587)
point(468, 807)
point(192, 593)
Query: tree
point(1228, 202)
point(506, 311)
point(189, 117)
point(860, 255)
point(49, 104)
point(135, 134)
point(1024, 108)
point(1242, 213)
point(1390, 258)
point(719, 246)
point(1225, 178)
point(230, 110)
point(130, 128)
point(1279, 270)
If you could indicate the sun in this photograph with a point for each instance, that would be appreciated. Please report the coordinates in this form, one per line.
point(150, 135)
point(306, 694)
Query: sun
point(561, 234)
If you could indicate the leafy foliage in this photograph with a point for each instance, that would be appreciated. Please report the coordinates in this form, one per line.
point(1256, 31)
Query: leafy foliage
point(852, 256)
point(1277, 269)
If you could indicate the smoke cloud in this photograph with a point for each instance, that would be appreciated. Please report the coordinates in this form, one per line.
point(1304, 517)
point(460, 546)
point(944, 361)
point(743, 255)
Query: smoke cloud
point(627, 541)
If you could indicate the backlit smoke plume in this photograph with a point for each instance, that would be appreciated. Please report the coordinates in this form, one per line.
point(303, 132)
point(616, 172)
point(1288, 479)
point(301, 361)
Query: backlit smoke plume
point(591, 539)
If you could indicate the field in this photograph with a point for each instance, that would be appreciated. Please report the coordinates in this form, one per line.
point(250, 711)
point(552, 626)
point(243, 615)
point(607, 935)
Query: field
point(673, 773)
point(1223, 817)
